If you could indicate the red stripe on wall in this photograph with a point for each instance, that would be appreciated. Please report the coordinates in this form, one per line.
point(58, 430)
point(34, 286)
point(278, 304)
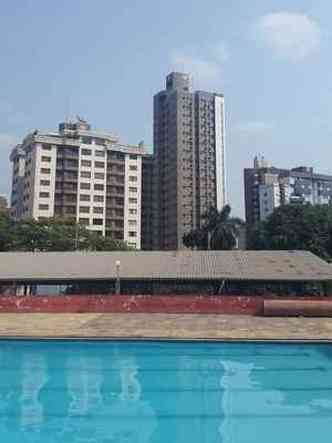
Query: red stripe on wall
point(172, 304)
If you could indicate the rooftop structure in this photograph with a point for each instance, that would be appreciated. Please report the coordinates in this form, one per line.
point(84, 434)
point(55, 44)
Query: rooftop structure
point(152, 272)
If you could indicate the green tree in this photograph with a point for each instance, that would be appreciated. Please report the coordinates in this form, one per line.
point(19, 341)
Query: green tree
point(53, 234)
point(5, 232)
point(296, 226)
point(219, 231)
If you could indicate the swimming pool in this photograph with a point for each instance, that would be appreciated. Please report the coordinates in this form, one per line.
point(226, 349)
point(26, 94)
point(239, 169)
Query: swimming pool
point(162, 392)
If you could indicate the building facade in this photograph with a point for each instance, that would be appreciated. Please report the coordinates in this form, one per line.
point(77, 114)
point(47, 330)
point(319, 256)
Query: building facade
point(267, 188)
point(189, 159)
point(81, 174)
point(147, 202)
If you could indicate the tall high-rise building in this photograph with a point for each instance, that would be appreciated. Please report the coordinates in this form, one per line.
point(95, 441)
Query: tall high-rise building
point(267, 188)
point(189, 159)
point(81, 174)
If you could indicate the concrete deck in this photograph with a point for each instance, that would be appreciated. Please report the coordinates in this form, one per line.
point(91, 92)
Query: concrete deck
point(164, 326)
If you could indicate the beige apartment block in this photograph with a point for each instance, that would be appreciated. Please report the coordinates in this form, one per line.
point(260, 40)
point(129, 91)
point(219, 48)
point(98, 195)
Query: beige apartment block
point(81, 174)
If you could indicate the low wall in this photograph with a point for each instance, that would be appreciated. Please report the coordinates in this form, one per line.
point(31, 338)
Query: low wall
point(172, 304)
point(296, 308)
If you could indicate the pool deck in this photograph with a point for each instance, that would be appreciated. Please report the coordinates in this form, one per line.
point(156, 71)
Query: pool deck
point(164, 326)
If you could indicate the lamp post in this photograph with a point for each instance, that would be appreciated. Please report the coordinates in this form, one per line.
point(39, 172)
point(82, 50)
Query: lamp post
point(117, 280)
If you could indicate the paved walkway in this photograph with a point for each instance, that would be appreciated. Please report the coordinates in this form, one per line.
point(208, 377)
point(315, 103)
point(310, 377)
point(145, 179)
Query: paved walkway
point(164, 326)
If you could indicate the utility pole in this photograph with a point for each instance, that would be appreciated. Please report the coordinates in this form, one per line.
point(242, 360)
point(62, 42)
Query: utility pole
point(117, 280)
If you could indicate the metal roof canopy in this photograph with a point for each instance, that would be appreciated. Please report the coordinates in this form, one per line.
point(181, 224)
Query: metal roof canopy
point(177, 265)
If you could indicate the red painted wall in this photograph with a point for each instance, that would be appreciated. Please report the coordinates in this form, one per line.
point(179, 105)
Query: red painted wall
point(193, 304)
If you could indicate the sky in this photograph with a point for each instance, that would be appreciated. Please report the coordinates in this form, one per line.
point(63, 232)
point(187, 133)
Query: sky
point(105, 59)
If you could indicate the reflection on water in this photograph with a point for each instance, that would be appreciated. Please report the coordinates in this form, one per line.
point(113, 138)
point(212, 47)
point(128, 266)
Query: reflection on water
point(157, 393)
point(236, 376)
point(130, 386)
point(132, 419)
point(33, 378)
point(84, 381)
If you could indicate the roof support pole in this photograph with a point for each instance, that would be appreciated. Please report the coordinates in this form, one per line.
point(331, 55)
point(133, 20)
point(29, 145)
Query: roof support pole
point(117, 280)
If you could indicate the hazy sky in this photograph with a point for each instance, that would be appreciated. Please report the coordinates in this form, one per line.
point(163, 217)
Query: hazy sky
point(104, 60)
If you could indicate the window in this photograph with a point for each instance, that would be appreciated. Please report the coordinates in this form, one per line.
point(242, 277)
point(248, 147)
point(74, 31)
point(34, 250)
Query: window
point(44, 194)
point(133, 200)
point(132, 233)
point(84, 221)
point(133, 167)
point(46, 159)
point(98, 198)
point(98, 210)
point(132, 211)
point(132, 222)
point(70, 175)
point(99, 153)
point(45, 182)
point(71, 210)
point(118, 212)
point(85, 186)
point(99, 165)
point(43, 207)
point(98, 187)
point(86, 152)
point(45, 171)
point(97, 221)
point(132, 178)
point(84, 197)
point(85, 174)
point(71, 198)
point(132, 189)
point(86, 141)
point(133, 157)
point(99, 175)
point(84, 209)
point(46, 147)
point(70, 151)
point(86, 163)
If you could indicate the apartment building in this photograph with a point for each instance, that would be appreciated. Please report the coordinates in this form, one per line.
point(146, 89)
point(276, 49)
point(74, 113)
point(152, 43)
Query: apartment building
point(267, 188)
point(82, 174)
point(189, 159)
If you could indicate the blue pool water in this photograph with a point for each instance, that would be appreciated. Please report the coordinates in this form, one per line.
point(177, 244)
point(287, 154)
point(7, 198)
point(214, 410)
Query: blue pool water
point(140, 392)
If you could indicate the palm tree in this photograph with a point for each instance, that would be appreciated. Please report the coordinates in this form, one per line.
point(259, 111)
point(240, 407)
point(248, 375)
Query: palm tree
point(218, 232)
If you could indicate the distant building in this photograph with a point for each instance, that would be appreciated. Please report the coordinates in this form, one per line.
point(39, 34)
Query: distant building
point(267, 188)
point(189, 159)
point(81, 174)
